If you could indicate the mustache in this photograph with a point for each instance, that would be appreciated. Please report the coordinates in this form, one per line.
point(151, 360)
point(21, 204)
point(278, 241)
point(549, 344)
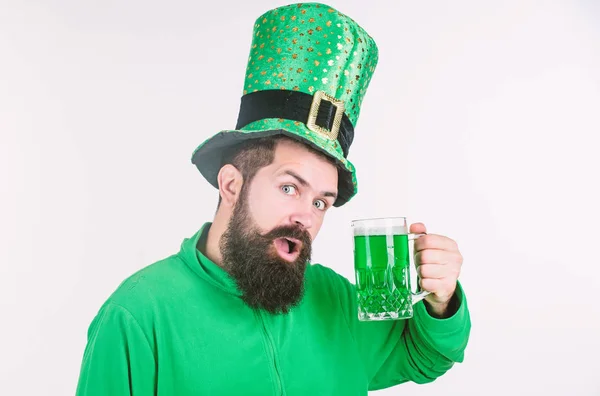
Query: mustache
point(290, 231)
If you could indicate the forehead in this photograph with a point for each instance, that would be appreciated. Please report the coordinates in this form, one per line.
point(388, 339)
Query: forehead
point(289, 154)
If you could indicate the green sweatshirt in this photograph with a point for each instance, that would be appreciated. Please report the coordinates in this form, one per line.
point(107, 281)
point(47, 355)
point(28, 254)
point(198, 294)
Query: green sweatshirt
point(178, 327)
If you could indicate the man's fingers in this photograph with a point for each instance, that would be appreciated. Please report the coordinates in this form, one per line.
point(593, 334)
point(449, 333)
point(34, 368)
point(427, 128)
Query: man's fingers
point(418, 228)
point(435, 256)
point(431, 285)
point(439, 286)
point(433, 241)
point(432, 271)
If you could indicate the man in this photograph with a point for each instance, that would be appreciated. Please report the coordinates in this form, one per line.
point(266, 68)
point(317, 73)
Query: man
point(240, 309)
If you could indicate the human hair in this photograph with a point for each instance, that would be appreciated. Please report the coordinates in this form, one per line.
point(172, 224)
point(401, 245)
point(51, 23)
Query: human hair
point(254, 154)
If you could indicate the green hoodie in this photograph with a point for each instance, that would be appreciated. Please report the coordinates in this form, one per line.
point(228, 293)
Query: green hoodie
point(179, 327)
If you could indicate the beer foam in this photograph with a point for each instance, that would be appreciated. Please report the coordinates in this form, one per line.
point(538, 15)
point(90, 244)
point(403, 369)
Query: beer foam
point(380, 230)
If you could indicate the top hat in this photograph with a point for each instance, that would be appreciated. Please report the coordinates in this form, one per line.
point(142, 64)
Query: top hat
point(308, 72)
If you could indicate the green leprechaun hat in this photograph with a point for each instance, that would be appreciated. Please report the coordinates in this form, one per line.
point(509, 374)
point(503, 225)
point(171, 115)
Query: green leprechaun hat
point(308, 72)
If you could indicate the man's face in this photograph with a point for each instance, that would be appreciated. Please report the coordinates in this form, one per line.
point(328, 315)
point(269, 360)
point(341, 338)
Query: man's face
point(268, 240)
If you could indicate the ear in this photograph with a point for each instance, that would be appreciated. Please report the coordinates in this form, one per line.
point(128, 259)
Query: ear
point(230, 181)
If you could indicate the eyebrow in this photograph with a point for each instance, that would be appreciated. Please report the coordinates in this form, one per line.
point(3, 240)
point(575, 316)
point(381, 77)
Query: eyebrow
point(304, 183)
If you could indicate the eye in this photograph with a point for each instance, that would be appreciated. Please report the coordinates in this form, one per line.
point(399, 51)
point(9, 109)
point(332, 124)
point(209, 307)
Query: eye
point(320, 204)
point(288, 189)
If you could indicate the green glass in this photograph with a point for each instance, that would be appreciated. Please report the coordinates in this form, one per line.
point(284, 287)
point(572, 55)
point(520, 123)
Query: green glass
point(383, 269)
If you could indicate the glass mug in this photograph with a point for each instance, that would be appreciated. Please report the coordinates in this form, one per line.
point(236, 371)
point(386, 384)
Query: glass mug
point(382, 268)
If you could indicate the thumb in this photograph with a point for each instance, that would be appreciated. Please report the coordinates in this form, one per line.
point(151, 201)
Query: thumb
point(418, 228)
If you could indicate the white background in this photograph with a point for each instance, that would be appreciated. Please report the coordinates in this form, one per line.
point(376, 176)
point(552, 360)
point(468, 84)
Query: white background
point(481, 121)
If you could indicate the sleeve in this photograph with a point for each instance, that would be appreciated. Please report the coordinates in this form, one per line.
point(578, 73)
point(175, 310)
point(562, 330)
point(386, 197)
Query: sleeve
point(420, 349)
point(118, 359)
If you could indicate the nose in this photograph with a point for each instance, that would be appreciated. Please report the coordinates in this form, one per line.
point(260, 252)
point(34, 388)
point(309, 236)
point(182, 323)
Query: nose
point(302, 216)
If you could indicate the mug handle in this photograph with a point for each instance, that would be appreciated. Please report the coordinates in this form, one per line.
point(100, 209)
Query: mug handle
point(416, 297)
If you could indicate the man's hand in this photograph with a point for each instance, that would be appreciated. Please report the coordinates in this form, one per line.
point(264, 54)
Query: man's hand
point(438, 263)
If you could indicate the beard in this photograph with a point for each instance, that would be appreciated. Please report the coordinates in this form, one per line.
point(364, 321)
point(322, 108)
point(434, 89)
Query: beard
point(265, 279)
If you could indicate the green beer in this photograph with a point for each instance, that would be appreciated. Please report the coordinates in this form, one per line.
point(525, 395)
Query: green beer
point(382, 267)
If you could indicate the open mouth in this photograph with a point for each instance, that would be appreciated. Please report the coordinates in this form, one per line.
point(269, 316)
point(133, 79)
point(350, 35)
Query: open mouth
point(288, 248)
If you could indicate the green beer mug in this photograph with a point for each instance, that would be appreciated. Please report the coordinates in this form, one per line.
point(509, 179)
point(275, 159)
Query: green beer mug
point(382, 267)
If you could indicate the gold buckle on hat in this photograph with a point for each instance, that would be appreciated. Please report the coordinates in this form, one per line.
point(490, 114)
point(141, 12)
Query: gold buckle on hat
point(311, 124)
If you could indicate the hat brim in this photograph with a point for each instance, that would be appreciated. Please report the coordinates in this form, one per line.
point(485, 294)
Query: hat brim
point(209, 156)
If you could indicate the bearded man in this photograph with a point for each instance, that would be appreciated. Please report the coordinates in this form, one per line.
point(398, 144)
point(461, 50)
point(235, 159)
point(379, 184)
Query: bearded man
point(241, 309)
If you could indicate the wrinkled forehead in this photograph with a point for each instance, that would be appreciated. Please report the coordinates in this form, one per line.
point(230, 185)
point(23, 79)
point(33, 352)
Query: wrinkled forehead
point(314, 167)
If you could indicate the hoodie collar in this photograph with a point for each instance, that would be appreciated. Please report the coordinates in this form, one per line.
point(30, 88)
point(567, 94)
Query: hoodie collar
point(203, 266)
